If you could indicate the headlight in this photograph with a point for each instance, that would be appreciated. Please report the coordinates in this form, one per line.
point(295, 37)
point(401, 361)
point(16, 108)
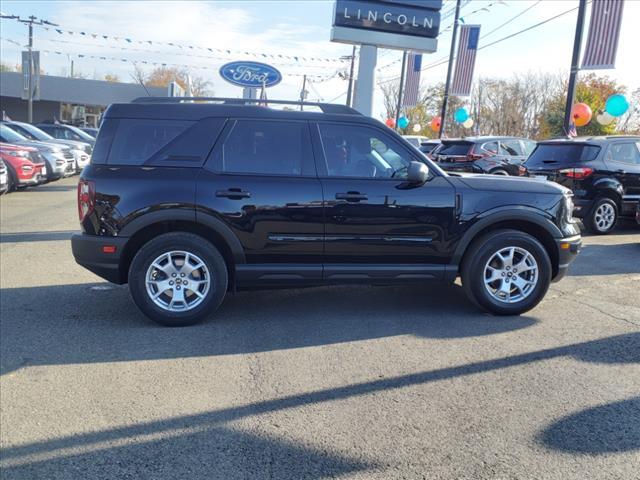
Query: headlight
point(568, 205)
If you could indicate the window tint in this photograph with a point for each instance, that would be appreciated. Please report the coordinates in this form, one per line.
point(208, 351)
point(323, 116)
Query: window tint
point(490, 147)
point(358, 151)
point(624, 153)
point(562, 154)
point(511, 147)
point(454, 148)
point(265, 147)
point(138, 140)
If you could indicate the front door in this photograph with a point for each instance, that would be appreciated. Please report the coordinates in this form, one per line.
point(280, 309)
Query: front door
point(260, 181)
point(379, 226)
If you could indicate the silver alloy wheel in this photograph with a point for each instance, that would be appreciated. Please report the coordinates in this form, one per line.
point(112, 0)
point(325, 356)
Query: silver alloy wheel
point(605, 217)
point(177, 281)
point(511, 274)
point(500, 172)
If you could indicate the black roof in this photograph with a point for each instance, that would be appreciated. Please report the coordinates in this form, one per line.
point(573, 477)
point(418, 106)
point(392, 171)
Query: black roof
point(598, 139)
point(181, 108)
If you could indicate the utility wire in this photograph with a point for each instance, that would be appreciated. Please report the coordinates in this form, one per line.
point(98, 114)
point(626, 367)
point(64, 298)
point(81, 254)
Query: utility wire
point(445, 61)
point(511, 19)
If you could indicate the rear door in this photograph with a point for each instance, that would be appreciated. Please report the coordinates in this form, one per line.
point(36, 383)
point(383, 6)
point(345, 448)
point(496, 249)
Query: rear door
point(260, 181)
point(623, 160)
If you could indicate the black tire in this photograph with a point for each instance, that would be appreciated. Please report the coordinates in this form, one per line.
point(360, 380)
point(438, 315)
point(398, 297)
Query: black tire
point(483, 249)
point(178, 241)
point(593, 221)
point(12, 182)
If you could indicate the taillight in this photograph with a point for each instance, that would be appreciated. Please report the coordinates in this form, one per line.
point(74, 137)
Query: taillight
point(476, 156)
point(86, 198)
point(576, 173)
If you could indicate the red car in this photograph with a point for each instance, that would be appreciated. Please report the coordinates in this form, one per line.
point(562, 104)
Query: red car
point(25, 166)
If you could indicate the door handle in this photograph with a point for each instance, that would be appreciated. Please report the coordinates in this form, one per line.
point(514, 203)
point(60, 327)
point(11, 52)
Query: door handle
point(622, 172)
point(233, 193)
point(351, 196)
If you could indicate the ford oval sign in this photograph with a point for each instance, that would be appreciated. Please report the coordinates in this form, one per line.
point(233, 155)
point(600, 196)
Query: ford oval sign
point(250, 74)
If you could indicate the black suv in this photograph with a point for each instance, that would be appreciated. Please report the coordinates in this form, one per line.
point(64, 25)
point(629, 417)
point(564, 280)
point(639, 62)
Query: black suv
point(494, 155)
point(185, 201)
point(602, 172)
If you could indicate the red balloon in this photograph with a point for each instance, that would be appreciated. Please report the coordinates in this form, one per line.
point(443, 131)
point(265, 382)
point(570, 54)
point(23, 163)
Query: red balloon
point(390, 122)
point(435, 124)
point(581, 114)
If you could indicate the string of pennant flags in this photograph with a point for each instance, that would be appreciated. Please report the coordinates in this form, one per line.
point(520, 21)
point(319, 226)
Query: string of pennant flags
point(316, 78)
point(160, 52)
point(128, 40)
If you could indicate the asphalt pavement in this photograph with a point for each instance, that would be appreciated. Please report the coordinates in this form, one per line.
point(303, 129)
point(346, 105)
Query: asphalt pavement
point(349, 382)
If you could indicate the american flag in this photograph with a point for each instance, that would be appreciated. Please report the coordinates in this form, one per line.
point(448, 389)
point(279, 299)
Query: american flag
point(412, 83)
point(466, 60)
point(604, 30)
point(572, 130)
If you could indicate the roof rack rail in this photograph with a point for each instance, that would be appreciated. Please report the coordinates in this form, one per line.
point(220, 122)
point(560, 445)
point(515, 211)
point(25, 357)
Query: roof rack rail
point(325, 107)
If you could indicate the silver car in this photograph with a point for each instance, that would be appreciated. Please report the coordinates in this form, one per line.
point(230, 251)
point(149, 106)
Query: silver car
point(81, 150)
point(60, 158)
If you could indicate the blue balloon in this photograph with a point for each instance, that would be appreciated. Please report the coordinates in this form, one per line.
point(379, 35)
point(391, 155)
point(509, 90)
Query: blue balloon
point(461, 115)
point(403, 122)
point(616, 105)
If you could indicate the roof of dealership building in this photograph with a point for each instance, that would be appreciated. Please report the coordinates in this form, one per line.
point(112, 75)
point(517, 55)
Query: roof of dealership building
point(78, 90)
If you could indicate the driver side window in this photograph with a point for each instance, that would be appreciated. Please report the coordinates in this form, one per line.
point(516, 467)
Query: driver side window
point(362, 152)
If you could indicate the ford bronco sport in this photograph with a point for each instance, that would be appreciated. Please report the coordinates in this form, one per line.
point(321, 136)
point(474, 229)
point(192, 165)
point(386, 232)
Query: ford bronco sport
point(186, 199)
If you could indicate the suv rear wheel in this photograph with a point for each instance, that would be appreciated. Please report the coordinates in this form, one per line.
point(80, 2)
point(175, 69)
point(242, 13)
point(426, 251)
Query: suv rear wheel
point(602, 217)
point(506, 272)
point(177, 279)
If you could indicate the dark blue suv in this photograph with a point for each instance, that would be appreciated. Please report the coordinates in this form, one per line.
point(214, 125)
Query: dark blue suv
point(187, 200)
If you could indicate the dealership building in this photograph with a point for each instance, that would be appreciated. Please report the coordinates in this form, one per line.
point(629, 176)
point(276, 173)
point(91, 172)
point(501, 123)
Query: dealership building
point(70, 100)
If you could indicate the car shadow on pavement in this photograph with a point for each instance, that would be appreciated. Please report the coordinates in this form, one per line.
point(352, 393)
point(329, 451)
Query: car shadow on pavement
point(609, 428)
point(89, 323)
point(205, 437)
point(599, 259)
point(20, 237)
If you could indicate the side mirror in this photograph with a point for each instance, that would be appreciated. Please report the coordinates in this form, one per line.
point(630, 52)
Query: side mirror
point(418, 173)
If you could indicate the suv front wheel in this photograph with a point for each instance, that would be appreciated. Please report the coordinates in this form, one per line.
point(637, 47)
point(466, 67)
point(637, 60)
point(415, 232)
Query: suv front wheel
point(506, 272)
point(177, 279)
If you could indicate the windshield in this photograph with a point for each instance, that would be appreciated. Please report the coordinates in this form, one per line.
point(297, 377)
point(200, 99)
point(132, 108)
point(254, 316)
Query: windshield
point(454, 148)
point(81, 134)
point(10, 136)
point(552, 154)
point(29, 131)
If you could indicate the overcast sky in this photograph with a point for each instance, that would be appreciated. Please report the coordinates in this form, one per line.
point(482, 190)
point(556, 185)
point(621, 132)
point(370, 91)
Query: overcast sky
point(293, 28)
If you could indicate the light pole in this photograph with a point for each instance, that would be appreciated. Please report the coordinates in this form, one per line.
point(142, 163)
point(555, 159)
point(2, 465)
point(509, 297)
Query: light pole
point(30, 21)
point(351, 57)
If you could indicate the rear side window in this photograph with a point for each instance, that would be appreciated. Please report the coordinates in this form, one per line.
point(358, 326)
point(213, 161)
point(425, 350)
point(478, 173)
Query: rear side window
point(266, 147)
point(490, 147)
point(137, 140)
point(624, 153)
point(562, 154)
point(454, 148)
point(511, 148)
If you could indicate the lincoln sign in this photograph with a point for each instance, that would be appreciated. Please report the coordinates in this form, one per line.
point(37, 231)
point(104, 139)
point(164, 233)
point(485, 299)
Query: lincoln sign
point(401, 24)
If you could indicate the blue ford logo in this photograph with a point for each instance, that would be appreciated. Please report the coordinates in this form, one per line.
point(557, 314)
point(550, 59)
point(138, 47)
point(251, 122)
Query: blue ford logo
point(250, 74)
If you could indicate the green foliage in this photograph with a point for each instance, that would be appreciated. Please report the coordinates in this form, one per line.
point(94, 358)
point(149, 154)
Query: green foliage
point(593, 91)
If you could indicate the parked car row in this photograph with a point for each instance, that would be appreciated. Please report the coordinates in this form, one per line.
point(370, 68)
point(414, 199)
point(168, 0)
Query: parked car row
point(30, 156)
point(602, 172)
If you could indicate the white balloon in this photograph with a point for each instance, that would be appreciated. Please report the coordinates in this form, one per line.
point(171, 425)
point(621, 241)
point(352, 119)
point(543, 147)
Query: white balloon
point(604, 118)
point(417, 128)
point(468, 123)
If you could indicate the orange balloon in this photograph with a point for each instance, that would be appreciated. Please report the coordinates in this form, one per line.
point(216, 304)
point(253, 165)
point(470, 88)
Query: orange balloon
point(581, 114)
point(435, 124)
